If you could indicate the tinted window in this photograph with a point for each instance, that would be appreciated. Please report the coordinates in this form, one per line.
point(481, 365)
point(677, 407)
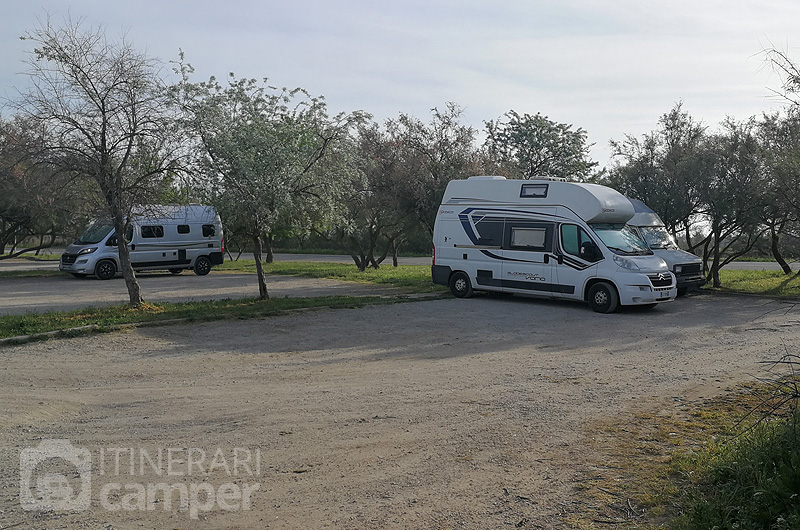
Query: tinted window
point(209, 231)
point(529, 238)
point(528, 235)
point(533, 190)
point(572, 236)
point(183, 229)
point(152, 231)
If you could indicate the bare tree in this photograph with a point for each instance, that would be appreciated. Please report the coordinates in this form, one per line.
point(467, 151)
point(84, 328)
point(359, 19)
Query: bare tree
point(104, 112)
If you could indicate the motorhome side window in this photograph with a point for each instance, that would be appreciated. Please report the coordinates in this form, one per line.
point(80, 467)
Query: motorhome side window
point(150, 231)
point(209, 231)
point(572, 237)
point(528, 236)
point(183, 229)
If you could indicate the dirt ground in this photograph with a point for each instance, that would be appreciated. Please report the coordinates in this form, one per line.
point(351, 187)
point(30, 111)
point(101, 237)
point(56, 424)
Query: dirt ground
point(438, 414)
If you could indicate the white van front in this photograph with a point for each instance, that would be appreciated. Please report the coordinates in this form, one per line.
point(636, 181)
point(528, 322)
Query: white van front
point(81, 256)
point(687, 267)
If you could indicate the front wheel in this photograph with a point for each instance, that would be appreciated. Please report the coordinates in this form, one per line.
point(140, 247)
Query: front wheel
point(460, 285)
point(202, 266)
point(603, 298)
point(105, 270)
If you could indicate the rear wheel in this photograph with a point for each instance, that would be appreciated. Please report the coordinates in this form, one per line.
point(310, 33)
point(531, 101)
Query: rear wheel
point(105, 270)
point(460, 285)
point(202, 266)
point(603, 298)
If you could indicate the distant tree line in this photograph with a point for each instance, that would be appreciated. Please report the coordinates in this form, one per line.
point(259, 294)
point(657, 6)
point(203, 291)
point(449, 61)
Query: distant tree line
point(100, 128)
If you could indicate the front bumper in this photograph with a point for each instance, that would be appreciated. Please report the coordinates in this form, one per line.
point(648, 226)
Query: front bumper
point(76, 265)
point(639, 289)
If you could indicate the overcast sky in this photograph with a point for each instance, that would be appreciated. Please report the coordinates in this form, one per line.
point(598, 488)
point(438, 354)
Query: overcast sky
point(611, 67)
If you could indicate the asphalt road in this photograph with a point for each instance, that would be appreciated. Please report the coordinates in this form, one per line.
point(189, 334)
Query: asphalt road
point(61, 293)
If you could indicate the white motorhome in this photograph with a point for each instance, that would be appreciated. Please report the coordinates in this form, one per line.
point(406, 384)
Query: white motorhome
point(687, 267)
point(173, 238)
point(547, 238)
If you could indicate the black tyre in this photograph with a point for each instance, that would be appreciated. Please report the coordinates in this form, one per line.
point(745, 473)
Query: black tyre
point(460, 285)
point(176, 271)
point(603, 298)
point(105, 270)
point(202, 266)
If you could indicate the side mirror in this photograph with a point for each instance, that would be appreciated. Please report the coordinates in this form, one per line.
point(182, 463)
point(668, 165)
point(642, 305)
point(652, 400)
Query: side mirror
point(589, 251)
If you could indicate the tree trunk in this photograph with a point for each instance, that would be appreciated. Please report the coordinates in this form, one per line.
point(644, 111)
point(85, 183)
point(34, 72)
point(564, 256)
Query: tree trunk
point(134, 291)
point(263, 294)
point(270, 255)
point(776, 251)
point(715, 263)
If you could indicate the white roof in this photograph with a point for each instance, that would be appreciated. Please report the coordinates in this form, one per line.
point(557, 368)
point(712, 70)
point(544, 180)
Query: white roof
point(591, 202)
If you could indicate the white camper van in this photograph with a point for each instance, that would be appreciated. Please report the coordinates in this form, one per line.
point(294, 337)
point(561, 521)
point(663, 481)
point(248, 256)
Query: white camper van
point(687, 267)
point(173, 238)
point(546, 238)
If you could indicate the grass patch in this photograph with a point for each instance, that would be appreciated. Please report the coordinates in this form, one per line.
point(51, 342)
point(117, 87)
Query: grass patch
point(751, 483)
point(409, 278)
point(107, 317)
point(412, 278)
point(699, 467)
point(30, 256)
point(30, 274)
point(771, 283)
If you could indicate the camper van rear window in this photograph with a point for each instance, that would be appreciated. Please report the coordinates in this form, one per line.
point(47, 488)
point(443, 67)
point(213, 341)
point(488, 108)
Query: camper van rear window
point(533, 190)
point(152, 231)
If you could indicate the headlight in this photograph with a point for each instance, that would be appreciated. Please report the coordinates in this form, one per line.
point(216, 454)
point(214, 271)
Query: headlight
point(626, 263)
point(89, 250)
point(678, 269)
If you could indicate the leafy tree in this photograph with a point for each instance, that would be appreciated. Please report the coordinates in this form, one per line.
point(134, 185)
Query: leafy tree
point(260, 151)
point(373, 207)
point(732, 199)
point(779, 153)
point(525, 146)
point(665, 170)
point(429, 156)
point(101, 107)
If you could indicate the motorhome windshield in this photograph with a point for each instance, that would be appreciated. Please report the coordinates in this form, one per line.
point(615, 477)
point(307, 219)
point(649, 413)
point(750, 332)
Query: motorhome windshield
point(95, 233)
point(621, 239)
point(658, 237)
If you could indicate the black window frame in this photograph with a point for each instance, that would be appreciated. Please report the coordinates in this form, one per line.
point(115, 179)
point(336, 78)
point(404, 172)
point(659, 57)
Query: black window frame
point(184, 229)
point(532, 188)
point(209, 230)
point(512, 224)
point(152, 231)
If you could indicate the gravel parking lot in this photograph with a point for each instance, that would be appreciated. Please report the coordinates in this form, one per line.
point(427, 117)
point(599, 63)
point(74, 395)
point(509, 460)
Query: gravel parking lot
point(467, 414)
